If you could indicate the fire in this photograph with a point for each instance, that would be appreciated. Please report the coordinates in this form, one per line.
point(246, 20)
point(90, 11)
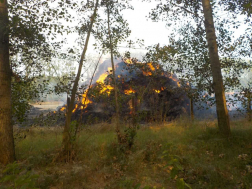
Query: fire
point(147, 73)
point(158, 91)
point(129, 91)
point(175, 79)
point(106, 89)
point(128, 61)
point(102, 78)
point(76, 106)
point(178, 84)
point(104, 75)
point(85, 101)
point(151, 66)
point(109, 69)
point(63, 108)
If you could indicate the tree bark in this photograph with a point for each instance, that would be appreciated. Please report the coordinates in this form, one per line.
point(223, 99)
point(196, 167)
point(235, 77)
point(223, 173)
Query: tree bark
point(114, 78)
point(70, 106)
point(7, 150)
point(191, 109)
point(221, 107)
point(249, 111)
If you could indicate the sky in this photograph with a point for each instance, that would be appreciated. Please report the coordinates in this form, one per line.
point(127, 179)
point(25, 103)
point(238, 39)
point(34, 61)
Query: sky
point(141, 27)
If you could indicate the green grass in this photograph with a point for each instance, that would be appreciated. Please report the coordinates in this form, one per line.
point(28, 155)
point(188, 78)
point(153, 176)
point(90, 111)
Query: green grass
point(207, 159)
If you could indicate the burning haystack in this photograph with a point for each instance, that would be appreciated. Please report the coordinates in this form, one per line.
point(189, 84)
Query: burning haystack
point(144, 89)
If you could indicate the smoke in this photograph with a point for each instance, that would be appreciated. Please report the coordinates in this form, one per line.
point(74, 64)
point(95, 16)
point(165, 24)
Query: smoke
point(205, 110)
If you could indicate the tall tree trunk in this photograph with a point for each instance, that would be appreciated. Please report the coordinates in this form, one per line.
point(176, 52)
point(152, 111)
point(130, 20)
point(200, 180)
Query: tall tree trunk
point(114, 78)
point(191, 109)
point(249, 98)
point(222, 112)
point(7, 151)
point(249, 109)
point(70, 105)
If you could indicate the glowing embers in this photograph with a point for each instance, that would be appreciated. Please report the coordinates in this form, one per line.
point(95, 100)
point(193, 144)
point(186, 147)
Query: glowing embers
point(106, 89)
point(150, 68)
point(129, 91)
point(158, 91)
point(104, 75)
point(63, 108)
point(85, 101)
point(174, 78)
point(76, 106)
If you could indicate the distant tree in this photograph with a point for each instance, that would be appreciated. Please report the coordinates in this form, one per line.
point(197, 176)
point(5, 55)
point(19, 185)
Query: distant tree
point(25, 34)
point(67, 153)
point(110, 33)
point(188, 52)
point(33, 43)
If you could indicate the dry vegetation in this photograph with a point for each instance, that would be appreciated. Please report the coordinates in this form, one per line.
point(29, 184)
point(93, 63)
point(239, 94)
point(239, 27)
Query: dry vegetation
point(197, 153)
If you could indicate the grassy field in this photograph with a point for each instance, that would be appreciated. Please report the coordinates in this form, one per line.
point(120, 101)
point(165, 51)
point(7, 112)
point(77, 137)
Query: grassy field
point(180, 154)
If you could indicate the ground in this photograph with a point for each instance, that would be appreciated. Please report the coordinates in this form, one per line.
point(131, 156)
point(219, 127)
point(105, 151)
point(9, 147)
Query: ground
point(179, 154)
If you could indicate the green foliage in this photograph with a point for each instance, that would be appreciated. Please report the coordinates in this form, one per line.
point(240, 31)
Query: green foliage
point(130, 133)
point(15, 176)
point(129, 184)
point(119, 27)
point(181, 184)
point(174, 161)
point(22, 93)
point(73, 127)
point(187, 53)
point(32, 37)
point(203, 158)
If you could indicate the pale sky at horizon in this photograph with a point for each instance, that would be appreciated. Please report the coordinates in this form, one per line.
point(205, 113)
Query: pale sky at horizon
point(141, 27)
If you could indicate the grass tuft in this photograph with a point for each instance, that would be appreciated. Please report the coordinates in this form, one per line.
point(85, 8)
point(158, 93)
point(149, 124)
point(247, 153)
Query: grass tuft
point(168, 155)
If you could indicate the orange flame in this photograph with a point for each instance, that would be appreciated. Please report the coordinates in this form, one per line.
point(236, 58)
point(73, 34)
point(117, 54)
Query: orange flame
point(158, 91)
point(85, 101)
point(147, 73)
point(178, 84)
point(107, 89)
point(63, 108)
point(129, 91)
point(76, 106)
point(128, 61)
point(151, 66)
point(104, 75)
point(102, 78)
point(175, 79)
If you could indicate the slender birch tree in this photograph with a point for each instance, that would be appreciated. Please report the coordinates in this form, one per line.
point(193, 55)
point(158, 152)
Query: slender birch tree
point(194, 48)
point(221, 107)
point(113, 71)
point(67, 144)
